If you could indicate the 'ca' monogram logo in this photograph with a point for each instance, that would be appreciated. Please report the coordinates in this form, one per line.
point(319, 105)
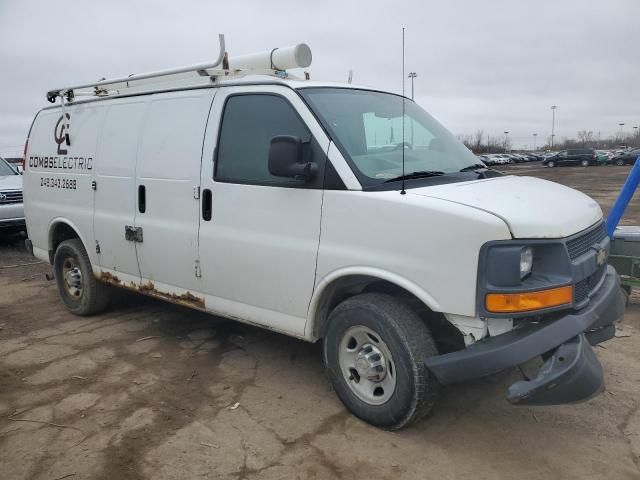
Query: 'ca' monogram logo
point(61, 133)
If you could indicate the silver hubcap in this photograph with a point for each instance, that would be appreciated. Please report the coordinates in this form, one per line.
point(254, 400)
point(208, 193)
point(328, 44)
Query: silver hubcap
point(367, 365)
point(72, 277)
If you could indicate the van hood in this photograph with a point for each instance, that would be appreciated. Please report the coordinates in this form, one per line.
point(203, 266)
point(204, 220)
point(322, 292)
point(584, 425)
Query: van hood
point(531, 207)
point(10, 182)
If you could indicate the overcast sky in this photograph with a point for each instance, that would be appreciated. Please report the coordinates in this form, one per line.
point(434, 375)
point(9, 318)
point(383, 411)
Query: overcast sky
point(492, 65)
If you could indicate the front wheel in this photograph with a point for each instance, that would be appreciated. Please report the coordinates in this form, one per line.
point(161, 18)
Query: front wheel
point(79, 290)
point(551, 164)
point(620, 162)
point(584, 163)
point(374, 352)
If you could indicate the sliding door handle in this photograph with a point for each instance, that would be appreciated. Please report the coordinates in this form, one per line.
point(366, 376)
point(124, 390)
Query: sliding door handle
point(207, 206)
point(142, 198)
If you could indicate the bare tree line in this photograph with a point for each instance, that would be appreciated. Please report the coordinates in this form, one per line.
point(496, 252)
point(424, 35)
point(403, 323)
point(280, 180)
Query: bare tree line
point(480, 142)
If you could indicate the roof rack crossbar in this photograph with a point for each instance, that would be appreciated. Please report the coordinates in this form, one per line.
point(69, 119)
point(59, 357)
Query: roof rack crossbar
point(198, 68)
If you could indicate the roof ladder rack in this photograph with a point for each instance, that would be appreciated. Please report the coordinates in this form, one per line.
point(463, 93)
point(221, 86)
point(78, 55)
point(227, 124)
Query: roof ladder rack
point(274, 62)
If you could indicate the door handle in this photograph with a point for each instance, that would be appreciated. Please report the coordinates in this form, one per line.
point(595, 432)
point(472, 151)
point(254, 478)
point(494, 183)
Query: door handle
point(207, 206)
point(142, 198)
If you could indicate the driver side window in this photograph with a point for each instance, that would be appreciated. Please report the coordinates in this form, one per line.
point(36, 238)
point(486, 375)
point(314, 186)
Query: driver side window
point(249, 122)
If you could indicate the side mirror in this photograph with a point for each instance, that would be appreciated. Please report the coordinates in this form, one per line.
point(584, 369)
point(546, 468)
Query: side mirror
point(285, 158)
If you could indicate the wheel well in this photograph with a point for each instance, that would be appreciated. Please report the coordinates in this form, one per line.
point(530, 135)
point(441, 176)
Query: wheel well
point(59, 233)
point(448, 338)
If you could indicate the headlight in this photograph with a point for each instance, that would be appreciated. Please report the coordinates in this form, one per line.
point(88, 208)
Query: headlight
point(526, 261)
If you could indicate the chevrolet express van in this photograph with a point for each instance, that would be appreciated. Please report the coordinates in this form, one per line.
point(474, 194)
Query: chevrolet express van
point(302, 207)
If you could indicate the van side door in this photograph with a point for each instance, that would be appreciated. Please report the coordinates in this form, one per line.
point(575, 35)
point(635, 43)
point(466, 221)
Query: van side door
point(259, 233)
point(114, 200)
point(165, 230)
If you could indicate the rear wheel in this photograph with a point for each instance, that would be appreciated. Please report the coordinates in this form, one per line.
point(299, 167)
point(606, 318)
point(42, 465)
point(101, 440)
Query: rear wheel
point(551, 164)
point(81, 293)
point(620, 162)
point(584, 163)
point(374, 352)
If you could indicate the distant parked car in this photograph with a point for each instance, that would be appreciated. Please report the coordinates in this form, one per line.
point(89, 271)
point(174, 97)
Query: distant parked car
point(499, 159)
point(577, 156)
point(11, 208)
point(602, 157)
point(626, 158)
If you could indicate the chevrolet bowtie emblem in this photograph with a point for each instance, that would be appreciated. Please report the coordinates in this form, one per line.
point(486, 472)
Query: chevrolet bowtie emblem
point(601, 256)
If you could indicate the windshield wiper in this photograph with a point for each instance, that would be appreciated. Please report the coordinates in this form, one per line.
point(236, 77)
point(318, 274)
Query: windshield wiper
point(420, 174)
point(475, 166)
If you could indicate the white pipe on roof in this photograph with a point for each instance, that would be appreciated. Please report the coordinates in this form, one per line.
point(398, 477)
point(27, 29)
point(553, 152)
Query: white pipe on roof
point(296, 56)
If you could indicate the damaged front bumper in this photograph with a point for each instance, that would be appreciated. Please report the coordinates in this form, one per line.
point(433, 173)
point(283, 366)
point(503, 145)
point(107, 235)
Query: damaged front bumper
point(571, 371)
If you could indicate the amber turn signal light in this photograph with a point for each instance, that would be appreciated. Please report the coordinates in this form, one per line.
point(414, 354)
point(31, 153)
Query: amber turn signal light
point(528, 301)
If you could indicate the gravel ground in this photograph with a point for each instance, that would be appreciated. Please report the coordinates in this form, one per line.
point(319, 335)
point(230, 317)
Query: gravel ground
point(153, 390)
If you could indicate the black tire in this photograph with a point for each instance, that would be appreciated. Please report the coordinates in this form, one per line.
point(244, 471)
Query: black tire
point(620, 162)
point(92, 296)
point(584, 163)
point(409, 341)
point(551, 164)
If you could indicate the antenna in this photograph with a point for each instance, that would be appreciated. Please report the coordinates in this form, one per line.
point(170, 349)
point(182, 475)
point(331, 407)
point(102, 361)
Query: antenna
point(402, 192)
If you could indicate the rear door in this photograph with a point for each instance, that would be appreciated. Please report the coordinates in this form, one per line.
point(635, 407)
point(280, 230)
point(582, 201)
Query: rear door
point(167, 180)
point(115, 204)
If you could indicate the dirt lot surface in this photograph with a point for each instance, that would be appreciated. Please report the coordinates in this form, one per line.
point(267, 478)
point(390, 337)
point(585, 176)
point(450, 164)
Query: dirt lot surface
point(152, 390)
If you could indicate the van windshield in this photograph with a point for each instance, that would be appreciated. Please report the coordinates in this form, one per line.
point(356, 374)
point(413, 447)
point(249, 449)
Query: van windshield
point(367, 126)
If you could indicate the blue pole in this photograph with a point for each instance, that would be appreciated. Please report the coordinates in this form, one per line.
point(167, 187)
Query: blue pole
point(629, 187)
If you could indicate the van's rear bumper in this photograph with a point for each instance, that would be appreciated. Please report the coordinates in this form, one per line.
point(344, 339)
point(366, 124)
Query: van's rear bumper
point(571, 372)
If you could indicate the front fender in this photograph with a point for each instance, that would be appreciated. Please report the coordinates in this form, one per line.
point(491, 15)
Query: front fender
point(323, 286)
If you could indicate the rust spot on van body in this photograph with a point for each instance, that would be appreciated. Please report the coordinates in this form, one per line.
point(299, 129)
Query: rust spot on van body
point(188, 299)
point(107, 277)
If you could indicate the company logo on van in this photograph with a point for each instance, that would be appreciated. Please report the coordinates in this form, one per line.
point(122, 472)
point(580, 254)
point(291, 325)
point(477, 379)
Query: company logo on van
point(61, 161)
point(61, 133)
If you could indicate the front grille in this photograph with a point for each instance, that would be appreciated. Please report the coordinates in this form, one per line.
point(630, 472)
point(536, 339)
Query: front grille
point(585, 286)
point(10, 196)
point(580, 245)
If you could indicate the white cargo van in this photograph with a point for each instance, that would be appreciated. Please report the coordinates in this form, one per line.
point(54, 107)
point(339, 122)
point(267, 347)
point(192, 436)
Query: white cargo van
point(282, 203)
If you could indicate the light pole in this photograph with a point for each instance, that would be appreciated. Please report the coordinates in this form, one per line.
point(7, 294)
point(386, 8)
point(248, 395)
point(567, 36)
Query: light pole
point(621, 132)
point(553, 123)
point(534, 141)
point(505, 140)
point(636, 131)
point(412, 75)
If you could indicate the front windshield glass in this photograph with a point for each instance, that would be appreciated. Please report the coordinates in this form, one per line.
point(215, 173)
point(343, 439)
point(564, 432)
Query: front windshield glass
point(367, 126)
point(5, 169)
